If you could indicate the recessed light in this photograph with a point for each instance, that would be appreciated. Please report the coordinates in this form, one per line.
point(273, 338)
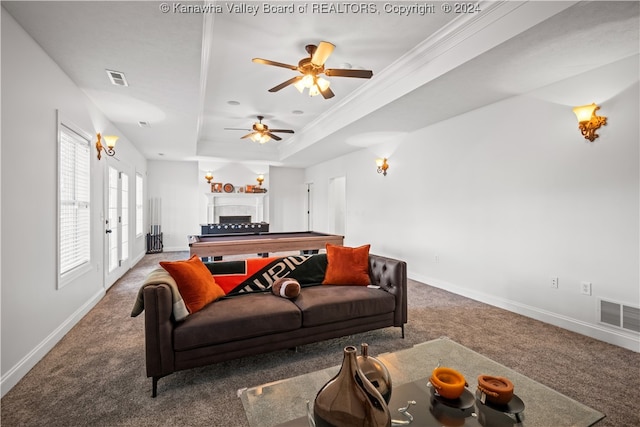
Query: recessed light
point(233, 103)
point(297, 112)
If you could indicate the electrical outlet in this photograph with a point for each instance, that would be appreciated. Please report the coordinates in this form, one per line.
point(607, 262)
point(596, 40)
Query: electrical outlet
point(554, 282)
point(585, 288)
point(437, 259)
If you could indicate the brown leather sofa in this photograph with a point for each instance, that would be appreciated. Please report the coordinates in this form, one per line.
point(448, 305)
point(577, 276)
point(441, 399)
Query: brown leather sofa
point(256, 323)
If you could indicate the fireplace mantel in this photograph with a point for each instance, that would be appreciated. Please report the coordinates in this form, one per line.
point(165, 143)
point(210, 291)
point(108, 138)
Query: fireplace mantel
point(236, 204)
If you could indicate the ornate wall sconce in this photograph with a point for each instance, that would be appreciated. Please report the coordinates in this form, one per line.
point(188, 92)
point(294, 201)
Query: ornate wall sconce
point(260, 179)
point(109, 150)
point(588, 122)
point(382, 166)
point(208, 177)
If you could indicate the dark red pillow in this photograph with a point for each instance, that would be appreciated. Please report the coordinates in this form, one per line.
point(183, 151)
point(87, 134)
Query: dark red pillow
point(195, 282)
point(347, 266)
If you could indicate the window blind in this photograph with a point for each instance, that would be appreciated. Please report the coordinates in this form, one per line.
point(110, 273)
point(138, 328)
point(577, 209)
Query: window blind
point(74, 201)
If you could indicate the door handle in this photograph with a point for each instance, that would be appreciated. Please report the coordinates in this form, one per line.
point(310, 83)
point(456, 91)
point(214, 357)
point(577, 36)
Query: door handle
point(108, 230)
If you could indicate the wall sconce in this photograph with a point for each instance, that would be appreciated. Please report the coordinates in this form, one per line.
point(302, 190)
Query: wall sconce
point(110, 140)
point(588, 122)
point(382, 166)
point(260, 179)
point(208, 177)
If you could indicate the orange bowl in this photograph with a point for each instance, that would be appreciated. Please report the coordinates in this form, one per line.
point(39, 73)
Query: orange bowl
point(497, 389)
point(448, 382)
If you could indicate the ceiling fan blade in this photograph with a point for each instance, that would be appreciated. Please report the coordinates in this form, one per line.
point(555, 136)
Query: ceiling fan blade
point(285, 84)
point(340, 72)
point(248, 135)
point(321, 54)
point(281, 130)
point(327, 93)
point(276, 137)
point(274, 63)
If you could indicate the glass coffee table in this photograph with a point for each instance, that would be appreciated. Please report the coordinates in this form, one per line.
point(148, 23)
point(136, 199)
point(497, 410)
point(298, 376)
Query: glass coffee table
point(284, 403)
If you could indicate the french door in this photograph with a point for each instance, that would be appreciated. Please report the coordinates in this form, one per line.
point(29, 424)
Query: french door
point(116, 225)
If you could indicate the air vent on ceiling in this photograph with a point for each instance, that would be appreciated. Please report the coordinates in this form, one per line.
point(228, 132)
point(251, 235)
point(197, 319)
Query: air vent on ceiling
point(117, 78)
point(144, 124)
point(620, 315)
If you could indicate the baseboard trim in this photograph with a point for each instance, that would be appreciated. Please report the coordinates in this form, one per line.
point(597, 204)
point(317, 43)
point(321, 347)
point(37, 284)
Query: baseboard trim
point(137, 259)
point(599, 332)
point(15, 374)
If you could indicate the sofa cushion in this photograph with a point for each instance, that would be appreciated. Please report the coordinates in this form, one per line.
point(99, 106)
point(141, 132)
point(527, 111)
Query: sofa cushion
point(195, 283)
point(347, 266)
point(237, 318)
point(329, 304)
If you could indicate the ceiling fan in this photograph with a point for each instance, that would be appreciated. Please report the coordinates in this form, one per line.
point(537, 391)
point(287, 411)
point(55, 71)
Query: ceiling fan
point(311, 67)
point(261, 132)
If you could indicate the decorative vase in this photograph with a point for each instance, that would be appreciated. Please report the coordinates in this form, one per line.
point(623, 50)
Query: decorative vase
point(349, 399)
point(376, 372)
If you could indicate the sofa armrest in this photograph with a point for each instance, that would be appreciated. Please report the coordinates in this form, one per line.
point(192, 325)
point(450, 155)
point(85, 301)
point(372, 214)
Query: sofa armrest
point(391, 275)
point(158, 330)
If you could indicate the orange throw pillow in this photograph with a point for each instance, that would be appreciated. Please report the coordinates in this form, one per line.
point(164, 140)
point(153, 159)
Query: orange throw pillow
point(347, 266)
point(195, 282)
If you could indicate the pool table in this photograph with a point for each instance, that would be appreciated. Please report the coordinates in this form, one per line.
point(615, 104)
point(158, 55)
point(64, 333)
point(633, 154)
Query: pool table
point(216, 246)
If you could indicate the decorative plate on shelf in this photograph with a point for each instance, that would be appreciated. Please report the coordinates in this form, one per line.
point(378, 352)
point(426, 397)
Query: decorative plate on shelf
point(228, 188)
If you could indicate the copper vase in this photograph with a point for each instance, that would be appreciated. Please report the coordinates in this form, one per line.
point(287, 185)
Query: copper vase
point(376, 372)
point(349, 399)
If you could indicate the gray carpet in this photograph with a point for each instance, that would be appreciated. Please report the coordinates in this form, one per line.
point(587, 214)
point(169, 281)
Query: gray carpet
point(96, 376)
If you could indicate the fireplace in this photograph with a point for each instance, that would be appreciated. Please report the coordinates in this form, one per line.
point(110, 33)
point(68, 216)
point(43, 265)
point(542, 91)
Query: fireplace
point(235, 219)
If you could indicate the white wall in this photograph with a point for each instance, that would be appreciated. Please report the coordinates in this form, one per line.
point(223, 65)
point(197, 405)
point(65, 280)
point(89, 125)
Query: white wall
point(495, 202)
point(287, 198)
point(35, 313)
point(178, 185)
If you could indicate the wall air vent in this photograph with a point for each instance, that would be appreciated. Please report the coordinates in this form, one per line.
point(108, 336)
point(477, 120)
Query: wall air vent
point(117, 78)
point(620, 315)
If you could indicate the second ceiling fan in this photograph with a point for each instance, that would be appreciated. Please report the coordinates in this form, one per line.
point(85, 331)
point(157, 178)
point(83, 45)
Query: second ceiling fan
point(311, 67)
point(261, 132)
